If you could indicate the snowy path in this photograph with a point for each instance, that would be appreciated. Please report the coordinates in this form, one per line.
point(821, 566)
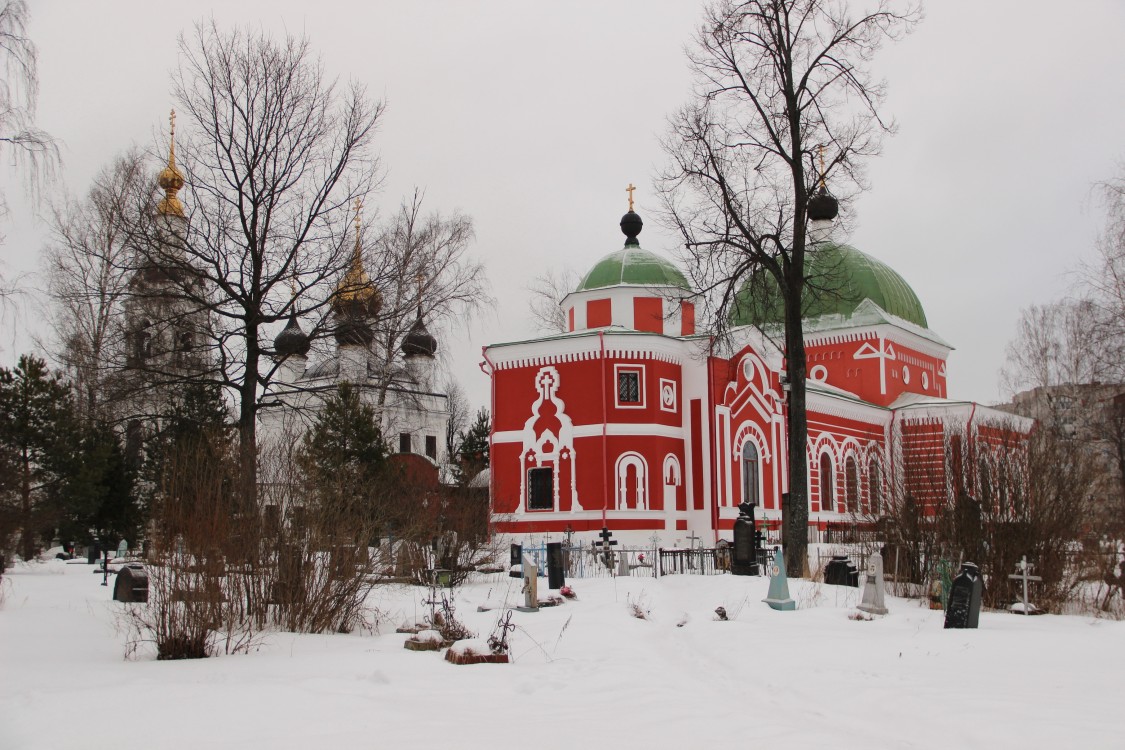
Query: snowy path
point(806, 679)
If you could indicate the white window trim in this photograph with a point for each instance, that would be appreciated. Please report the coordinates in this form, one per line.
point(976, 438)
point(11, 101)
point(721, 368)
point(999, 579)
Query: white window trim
point(640, 369)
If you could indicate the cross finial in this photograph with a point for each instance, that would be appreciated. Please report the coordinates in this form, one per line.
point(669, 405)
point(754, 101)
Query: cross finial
point(630, 190)
point(820, 155)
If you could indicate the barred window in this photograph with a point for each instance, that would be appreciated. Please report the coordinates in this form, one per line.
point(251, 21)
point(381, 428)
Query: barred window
point(541, 489)
point(629, 387)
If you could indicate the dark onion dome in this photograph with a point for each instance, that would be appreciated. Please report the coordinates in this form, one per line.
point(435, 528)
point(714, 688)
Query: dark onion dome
point(631, 226)
point(353, 331)
point(418, 341)
point(822, 206)
point(840, 279)
point(292, 340)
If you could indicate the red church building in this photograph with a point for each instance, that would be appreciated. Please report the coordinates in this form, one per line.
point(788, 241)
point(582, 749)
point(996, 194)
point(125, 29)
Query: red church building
point(637, 419)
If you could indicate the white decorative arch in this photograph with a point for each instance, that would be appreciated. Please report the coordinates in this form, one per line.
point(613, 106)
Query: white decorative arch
point(672, 477)
point(621, 472)
point(751, 431)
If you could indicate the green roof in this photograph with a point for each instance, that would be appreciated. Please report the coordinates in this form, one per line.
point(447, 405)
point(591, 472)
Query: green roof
point(839, 278)
point(632, 265)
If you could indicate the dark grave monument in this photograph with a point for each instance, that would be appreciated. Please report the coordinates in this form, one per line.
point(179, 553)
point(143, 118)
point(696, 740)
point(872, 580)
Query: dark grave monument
point(514, 560)
point(963, 610)
point(555, 567)
point(606, 542)
point(744, 560)
point(93, 552)
point(131, 584)
point(841, 572)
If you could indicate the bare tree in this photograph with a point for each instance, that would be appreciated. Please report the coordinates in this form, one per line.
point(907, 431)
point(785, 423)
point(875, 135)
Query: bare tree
point(423, 271)
point(547, 293)
point(1104, 282)
point(86, 264)
point(1055, 344)
point(275, 156)
point(777, 81)
point(34, 150)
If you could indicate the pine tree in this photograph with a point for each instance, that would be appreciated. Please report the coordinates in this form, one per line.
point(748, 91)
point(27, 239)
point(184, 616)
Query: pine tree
point(97, 498)
point(345, 437)
point(37, 428)
point(472, 447)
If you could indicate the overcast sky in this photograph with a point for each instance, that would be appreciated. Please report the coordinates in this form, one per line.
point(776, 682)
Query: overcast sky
point(532, 117)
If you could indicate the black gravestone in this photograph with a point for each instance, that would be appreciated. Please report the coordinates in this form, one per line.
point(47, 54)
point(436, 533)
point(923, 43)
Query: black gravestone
point(841, 572)
point(93, 552)
point(963, 610)
point(555, 578)
point(131, 584)
point(516, 557)
point(744, 561)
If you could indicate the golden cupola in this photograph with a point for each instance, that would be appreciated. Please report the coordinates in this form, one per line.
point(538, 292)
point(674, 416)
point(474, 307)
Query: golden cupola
point(355, 295)
point(356, 299)
point(171, 179)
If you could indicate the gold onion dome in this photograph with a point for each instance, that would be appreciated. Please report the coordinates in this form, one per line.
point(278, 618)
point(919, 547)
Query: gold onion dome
point(355, 295)
point(171, 179)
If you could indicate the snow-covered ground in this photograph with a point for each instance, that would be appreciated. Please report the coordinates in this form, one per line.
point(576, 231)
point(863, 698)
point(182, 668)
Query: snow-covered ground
point(584, 674)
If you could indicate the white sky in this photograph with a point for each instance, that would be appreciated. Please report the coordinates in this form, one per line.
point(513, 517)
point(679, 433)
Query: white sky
point(532, 118)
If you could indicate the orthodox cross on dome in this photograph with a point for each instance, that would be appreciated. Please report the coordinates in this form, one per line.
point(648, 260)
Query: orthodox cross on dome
point(820, 155)
point(171, 179)
point(630, 190)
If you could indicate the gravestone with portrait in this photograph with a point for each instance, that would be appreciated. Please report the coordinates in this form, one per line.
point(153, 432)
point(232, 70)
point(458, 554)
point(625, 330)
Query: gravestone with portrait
point(514, 560)
point(530, 585)
point(778, 595)
point(963, 609)
point(874, 593)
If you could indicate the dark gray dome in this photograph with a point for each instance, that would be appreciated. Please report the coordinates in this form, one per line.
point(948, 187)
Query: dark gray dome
point(418, 341)
point(353, 331)
point(822, 206)
point(292, 340)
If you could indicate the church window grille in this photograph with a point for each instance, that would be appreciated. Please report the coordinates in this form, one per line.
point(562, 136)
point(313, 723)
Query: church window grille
point(404, 442)
point(630, 387)
point(431, 447)
point(750, 473)
point(540, 489)
point(827, 502)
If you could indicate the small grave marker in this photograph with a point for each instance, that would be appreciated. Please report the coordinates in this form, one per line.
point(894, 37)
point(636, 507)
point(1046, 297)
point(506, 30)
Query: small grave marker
point(1024, 574)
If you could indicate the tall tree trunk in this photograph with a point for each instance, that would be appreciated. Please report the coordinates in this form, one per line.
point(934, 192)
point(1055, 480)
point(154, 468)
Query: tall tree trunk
point(795, 515)
point(247, 423)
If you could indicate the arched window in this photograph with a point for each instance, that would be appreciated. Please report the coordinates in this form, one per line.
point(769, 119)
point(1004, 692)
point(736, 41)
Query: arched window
point(827, 501)
point(851, 485)
point(750, 473)
point(875, 486)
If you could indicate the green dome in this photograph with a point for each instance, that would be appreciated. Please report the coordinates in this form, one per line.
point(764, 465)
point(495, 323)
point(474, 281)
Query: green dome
point(840, 278)
point(632, 265)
